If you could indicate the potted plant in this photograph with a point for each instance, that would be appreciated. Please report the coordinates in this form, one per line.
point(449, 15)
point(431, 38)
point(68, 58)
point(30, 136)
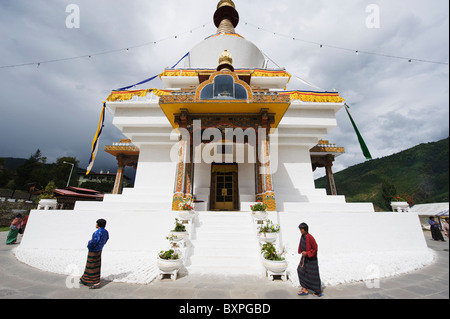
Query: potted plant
point(268, 232)
point(179, 230)
point(174, 240)
point(259, 211)
point(273, 261)
point(399, 204)
point(186, 209)
point(169, 261)
point(47, 199)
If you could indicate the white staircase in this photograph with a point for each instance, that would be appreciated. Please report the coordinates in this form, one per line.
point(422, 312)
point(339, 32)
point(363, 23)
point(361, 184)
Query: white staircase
point(224, 243)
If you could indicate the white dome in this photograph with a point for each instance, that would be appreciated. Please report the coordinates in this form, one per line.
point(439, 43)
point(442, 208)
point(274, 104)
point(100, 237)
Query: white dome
point(206, 54)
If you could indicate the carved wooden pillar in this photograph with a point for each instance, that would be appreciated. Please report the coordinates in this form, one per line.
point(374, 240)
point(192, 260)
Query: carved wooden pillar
point(258, 175)
point(183, 158)
point(189, 171)
point(178, 192)
point(118, 183)
point(122, 162)
point(329, 174)
point(268, 194)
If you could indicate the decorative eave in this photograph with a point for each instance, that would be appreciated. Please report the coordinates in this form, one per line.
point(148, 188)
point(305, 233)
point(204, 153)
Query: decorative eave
point(128, 95)
point(304, 96)
point(190, 101)
point(326, 148)
point(317, 97)
point(184, 78)
point(124, 147)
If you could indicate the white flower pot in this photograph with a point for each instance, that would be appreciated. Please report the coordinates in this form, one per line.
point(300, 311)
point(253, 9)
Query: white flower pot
point(186, 214)
point(47, 204)
point(275, 266)
point(400, 206)
point(259, 215)
point(179, 235)
point(268, 237)
point(169, 265)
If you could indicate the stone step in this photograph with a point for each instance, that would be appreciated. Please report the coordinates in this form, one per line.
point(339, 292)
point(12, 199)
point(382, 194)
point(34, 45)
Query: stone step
point(224, 242)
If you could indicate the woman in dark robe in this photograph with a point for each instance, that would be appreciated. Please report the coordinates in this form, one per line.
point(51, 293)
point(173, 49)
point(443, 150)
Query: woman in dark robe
point(308, 269)
point(435, 229)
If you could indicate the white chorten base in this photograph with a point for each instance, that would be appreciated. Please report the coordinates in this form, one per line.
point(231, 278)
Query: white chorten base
point(352, 246)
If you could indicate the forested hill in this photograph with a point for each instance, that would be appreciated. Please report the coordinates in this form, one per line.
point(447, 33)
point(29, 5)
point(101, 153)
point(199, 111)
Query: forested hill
point(419, 173)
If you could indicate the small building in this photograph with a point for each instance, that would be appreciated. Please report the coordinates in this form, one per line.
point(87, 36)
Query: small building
point(67, 197)
point(103, 177)
point(439, 210)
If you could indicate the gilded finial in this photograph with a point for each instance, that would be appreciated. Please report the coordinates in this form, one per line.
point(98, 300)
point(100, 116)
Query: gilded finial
point(225, 61)
point(229, 3)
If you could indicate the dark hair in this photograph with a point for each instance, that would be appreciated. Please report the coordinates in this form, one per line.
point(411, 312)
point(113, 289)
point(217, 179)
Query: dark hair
point(431, 217)
point(303, 226)
point(101, 223)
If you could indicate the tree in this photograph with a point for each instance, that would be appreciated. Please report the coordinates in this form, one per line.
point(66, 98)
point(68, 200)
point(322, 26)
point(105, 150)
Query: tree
point(48, 192)
point(388, 192)
point(31, 171)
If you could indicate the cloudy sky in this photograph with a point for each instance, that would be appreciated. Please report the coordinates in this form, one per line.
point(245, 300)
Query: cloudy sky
point(56, 106)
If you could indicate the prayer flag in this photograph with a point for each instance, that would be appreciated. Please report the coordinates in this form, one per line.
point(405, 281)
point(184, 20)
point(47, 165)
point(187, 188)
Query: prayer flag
point(363, 145)
point(150, 79)
point(94, 148)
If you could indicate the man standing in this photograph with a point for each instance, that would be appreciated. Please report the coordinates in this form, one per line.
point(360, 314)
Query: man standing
point(91, 276)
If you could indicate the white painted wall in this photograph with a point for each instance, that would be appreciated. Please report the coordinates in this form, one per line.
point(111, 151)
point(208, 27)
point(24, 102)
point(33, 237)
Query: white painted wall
point(350, 244)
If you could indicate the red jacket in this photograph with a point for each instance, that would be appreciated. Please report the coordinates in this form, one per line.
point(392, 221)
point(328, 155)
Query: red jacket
point(311, 246)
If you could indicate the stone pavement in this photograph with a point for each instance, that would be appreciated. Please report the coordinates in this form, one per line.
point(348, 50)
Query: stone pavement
point(19, 281)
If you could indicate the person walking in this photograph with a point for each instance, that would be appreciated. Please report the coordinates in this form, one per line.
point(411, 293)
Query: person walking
point(435, 229)
point(91, 276)
point(14, 230)
point(308, 269)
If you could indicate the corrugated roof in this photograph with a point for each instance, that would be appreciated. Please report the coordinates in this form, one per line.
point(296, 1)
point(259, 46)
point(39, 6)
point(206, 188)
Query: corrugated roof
point(431, 209)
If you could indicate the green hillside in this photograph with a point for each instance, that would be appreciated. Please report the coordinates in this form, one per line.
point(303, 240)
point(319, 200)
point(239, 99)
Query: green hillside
point(420, 172)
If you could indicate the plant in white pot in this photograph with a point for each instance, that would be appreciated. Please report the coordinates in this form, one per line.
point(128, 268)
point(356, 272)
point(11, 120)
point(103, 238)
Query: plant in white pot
point(259, 211)
point(187, 208)
point(169, 262)
point(179, 231)
point(273, 261)
point(268, 232)
point(47, 199)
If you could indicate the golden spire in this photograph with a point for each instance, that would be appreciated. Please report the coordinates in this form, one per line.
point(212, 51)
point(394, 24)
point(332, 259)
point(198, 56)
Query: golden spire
point(226, 3)
point(225, 61)
point(226, 18)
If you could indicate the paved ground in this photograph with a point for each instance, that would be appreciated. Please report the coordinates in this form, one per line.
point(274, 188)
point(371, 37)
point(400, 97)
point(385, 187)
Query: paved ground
point(19, 281)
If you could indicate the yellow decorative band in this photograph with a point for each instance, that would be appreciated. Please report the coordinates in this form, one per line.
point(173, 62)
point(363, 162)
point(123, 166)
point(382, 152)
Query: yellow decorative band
point(255, 72)
point(225, 33)
point(128, 95)
point(318, 97)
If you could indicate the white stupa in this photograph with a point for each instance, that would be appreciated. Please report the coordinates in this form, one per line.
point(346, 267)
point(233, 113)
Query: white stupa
point(185, 152)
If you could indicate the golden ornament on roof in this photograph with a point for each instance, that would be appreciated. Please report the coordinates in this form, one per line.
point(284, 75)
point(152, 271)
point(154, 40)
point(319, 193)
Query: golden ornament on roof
point(225, 58)
point(225, 61)
point(223, 3)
